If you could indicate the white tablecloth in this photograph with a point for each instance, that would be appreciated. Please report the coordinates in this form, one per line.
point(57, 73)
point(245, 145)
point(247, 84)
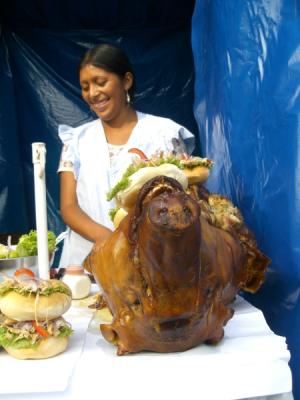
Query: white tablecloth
point(250, 361)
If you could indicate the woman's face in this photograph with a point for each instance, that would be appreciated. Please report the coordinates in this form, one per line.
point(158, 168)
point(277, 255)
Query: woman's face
point(105, 92)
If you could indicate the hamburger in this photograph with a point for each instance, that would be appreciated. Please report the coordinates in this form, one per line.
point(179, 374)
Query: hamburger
point(31, 325)
point(34, 340)
point(185, 169)
point(32, 298)
point(196, 169)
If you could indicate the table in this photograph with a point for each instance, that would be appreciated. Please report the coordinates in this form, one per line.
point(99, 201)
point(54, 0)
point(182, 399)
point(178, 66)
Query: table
point(250, 361)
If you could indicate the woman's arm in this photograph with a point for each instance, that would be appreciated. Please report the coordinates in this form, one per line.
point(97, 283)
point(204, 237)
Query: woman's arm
point(74, 216)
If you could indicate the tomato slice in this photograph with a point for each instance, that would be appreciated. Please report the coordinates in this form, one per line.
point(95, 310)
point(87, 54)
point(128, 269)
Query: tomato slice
point(24, 272)
point(139, 152)
point(39, 329)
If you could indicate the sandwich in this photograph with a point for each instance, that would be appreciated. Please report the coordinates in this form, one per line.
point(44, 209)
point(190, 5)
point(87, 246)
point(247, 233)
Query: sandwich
point(31, 323)
point(185, 169)
point(33, 298)
point(34, 340)
point(196, 169)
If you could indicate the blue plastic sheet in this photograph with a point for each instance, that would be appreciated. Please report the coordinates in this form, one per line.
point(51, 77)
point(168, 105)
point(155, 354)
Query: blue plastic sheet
point(41, 89)
point(247, 105)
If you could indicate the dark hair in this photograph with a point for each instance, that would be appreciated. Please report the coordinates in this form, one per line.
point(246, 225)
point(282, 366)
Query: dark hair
point(111, 58)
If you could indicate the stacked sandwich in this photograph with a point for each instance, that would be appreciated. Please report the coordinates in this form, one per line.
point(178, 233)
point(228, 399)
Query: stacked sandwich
point(31, 309)
point(187, 170)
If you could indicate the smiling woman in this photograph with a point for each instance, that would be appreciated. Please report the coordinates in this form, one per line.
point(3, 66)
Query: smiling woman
point(95, 154)
point(107, 95)
point(106, 79)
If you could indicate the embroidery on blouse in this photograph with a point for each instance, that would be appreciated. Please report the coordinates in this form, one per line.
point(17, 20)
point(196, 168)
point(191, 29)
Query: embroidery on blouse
point(114, 151)
point(65, 165)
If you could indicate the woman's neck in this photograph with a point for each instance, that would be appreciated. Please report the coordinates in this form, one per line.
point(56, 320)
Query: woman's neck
point(118, 130)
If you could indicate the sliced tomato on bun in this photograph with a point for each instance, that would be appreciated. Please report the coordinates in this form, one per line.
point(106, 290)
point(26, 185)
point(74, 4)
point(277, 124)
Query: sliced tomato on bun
point(24, 272)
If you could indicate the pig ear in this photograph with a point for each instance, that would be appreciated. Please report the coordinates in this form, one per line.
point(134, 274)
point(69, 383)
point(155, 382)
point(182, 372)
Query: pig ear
point(109, 333)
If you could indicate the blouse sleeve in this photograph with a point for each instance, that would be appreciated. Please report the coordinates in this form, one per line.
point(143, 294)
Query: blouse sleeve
point(67, 159)
point(188, 139)
point(179, 140)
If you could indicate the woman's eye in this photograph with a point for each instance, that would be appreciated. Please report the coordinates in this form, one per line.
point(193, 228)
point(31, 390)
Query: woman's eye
point(100, 83)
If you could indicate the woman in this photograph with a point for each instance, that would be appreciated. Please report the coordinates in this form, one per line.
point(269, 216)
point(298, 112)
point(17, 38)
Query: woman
point(95, 154)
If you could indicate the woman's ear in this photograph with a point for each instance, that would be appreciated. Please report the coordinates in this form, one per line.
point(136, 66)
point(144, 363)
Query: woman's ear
point(128, 81)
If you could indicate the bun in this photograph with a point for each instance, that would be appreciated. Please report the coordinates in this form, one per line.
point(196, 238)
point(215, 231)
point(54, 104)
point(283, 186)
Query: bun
point(24, 307)
point(120, 214)
point(197, 174)
point(126, 198)
point(48, 347)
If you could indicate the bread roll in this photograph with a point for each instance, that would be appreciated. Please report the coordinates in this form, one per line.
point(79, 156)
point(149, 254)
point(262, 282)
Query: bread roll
point(126, 198)
point(197, 174)
point(24, 307)
point(120, 214)
point(48, 347)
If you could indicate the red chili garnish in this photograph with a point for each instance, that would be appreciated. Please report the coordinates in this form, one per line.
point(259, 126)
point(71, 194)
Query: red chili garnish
point(139, 152)
point(24, 271)
point(39, 329)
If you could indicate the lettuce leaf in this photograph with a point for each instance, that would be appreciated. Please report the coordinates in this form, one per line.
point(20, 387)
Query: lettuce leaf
point(154, 162)
point(27, 244)
point(11, 285)
point(14, 342)
point(65, 331)
point(9, 339)
point(3, 251)
point(113, 212)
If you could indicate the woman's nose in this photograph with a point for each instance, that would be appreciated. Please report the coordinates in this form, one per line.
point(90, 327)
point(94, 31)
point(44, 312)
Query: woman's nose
point(93, 91)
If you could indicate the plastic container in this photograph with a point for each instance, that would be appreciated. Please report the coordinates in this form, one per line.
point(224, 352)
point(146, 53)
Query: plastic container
point(78, 281)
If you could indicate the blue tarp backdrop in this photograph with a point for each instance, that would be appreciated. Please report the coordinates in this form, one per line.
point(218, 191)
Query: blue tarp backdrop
point(247, 105)
point(235, 63)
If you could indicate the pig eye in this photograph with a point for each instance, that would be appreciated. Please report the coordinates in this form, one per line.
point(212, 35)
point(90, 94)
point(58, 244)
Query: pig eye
point(163, 210)
point(187, 211)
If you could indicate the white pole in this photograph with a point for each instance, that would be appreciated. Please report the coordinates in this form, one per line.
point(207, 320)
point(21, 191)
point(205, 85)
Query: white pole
point(39, 162)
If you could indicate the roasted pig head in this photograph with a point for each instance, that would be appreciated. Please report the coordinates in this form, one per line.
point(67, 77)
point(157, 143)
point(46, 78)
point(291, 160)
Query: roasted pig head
point(167, 274)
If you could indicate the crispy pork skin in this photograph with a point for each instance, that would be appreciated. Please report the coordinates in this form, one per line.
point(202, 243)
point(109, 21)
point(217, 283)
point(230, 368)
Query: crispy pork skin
point(171, 270)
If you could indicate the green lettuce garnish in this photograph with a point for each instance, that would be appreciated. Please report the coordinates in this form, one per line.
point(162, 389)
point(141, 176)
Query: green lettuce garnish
point(112, 213)
point(125, 180)
point(12, 340)
point(65, 331)
point(13, 286)
point(56, 289)
point(27, 244)
point(4, 252)
point(121, 185)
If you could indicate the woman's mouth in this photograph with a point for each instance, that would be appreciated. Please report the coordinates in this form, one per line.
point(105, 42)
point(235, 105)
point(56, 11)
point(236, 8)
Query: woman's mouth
point(99, 106)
